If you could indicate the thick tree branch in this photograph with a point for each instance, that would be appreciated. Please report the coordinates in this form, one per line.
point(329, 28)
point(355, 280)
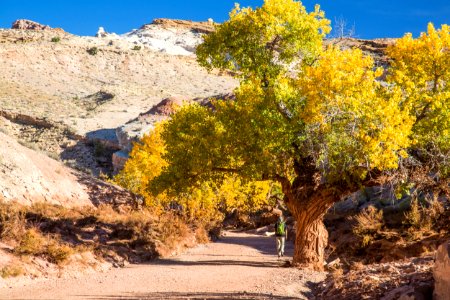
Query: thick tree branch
point(423, 113)
point(227, 170)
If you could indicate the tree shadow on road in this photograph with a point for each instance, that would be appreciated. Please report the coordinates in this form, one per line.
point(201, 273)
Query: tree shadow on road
point(264, 244)
point(192, 296)
point(220, 262)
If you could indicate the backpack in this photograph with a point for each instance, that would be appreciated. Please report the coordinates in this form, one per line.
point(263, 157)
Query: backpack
point(280, 228)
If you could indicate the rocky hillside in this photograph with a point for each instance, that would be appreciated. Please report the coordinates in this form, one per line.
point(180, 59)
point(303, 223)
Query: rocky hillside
point(29, 176)
point(63, 81)
point(64, 95)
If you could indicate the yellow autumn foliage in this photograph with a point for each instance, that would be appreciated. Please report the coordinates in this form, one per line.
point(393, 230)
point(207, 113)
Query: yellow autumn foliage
point(349, 110)
point(206, 203)
point(421, 68)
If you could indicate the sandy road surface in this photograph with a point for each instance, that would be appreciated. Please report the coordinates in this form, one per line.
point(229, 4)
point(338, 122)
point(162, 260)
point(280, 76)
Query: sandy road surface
point(239, 266)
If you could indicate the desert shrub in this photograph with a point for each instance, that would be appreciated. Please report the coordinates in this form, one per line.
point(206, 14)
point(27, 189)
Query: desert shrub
point(29, 145)
point(32, 243)
point(369, 221)
point(368, 224)
point(52, 155)
point(201, 235)
point(136, 47)
point(58, 253)
point(12, 221)
point(413, 217)
point(56, 39)
point(92, 51)
point(12, 270)
point(421, 217)
point(172, 230)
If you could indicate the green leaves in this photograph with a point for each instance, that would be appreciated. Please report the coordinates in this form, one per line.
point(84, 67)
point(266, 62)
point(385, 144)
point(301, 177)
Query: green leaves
point(264, 42)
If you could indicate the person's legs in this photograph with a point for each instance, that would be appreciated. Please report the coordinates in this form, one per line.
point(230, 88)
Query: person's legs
point(282, 244)
point(279, 245)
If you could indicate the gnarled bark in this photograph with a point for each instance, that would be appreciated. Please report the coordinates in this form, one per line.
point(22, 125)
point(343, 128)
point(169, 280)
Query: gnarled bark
point(308, 203)
point(310, 242)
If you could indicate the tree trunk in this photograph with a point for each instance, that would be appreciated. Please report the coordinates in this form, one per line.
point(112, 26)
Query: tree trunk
point(308, 202)
point(310, 242)
point(308, 209)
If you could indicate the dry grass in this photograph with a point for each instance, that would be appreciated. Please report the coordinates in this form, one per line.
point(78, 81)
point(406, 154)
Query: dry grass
point(172, 231)
point(12, 270)
point(12, 222)
point(55, 233)
point(421, 218)
point(368, 223)
point(201, 235)
point(32, 243)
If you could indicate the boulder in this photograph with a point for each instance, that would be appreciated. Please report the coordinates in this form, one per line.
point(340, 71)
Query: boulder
point(135, 129)
point(119, 159)
point(29, 25)
point(441, 272)
point(101, 32)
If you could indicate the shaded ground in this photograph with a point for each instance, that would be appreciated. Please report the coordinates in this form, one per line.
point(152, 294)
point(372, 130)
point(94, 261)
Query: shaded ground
point(238, 266)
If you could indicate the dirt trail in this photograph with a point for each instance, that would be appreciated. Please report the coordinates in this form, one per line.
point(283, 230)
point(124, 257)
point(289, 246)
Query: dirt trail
point(239, 266)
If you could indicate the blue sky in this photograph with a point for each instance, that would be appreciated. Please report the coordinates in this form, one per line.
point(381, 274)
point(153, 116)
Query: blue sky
point(371, 19)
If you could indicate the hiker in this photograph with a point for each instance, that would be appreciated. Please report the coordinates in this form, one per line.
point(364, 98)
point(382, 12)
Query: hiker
point(280, 235)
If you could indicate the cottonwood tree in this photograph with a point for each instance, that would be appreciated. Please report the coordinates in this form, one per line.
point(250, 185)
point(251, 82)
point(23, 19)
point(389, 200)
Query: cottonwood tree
point(318, 122)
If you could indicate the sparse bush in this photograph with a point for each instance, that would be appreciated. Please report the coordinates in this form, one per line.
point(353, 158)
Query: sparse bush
point(29, 145)
point(13, 270)
point(368, 221)
point(53, 155)
point(136, 47)
point(58, 253)
point(171, 229)
point(201, 235)
point(413, 217)
point(12, 221)
point(56, 39)
point(92, 51)
point(32, 243)
point(422, 217)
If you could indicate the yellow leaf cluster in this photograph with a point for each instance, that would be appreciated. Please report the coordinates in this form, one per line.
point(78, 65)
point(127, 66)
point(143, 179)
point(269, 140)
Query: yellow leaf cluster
point(358, 121)
point(421, 68)
point(146, 162)
point(205, 203)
